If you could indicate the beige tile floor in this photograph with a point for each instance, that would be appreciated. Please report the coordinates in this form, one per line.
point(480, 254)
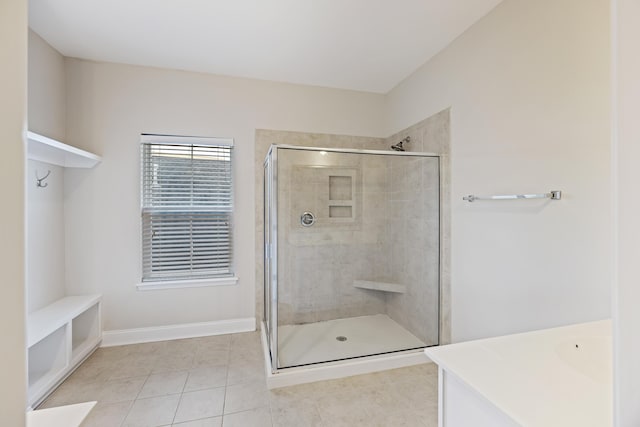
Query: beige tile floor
point(219, 381)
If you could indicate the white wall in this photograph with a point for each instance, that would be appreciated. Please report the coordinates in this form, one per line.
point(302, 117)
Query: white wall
point(626, 175)
point(45, 208)
point(13, 117)
point(529, 91)
point(45, 236)
point(109, 105)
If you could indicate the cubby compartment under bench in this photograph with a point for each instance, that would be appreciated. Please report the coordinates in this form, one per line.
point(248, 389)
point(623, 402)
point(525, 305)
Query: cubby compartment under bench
point(59, 337)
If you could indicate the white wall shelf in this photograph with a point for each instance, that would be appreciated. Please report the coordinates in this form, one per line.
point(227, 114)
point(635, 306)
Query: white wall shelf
point(59, 337)
point(380, 286)
point(49, 150)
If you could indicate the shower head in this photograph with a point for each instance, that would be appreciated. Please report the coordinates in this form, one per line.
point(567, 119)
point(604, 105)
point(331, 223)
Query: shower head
point(398, 146)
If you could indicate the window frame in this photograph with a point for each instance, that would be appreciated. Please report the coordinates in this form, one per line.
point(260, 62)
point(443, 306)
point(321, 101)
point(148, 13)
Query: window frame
point(178, 281)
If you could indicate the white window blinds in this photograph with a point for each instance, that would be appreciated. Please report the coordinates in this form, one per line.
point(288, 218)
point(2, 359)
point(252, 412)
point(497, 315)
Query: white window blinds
point(187, 206)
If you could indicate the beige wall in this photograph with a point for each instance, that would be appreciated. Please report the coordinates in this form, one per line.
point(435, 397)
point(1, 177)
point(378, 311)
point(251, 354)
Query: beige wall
point(13, 120)
point(422, 257)
point(626, 175)
point(45, 208)
point(528, 88)
point(47, 97)
point(109, 105)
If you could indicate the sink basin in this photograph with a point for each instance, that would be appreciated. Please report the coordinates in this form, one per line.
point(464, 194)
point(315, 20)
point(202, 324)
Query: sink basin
point(589, 355)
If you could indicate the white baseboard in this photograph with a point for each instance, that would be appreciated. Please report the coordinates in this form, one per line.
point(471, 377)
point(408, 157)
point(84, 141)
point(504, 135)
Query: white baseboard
point(175, 332)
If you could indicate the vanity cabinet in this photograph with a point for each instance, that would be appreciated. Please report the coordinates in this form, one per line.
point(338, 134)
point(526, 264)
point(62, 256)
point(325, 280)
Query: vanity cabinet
point(553, 377)
point(459, 405)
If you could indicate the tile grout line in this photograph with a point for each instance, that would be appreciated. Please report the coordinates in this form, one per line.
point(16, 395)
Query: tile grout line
point(270, 403)
point(133, 402)
point(226, 378)
point(175, 414)
point(128, 412)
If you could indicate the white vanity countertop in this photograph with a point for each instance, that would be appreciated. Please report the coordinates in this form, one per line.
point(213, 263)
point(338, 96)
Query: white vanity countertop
point(552, 377)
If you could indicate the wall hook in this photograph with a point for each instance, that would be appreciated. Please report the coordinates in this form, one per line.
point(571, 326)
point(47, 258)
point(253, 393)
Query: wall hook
point(39, 180)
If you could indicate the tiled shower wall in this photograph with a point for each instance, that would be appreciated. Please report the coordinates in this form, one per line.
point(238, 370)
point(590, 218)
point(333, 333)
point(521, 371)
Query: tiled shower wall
point(421, 255)
point(318, 265)
point(411, 244)
point(396, 240)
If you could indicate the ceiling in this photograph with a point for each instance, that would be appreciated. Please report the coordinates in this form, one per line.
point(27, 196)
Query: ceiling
point(366, 45)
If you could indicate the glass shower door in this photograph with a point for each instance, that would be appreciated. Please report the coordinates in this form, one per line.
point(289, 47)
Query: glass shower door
point(357, 254)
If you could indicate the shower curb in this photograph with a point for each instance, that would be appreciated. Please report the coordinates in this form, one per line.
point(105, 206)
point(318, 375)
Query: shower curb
point(340, 369)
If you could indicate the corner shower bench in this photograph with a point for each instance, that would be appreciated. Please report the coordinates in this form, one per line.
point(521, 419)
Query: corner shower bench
point(59, 337)
point(380, 286)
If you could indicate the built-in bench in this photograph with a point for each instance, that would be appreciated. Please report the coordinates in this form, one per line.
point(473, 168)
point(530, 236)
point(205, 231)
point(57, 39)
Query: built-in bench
point(59, 337)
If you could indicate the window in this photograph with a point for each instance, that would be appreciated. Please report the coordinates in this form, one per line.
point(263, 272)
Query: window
point(187, 208)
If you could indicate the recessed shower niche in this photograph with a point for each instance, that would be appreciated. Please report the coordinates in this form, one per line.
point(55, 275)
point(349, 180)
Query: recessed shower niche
point(331, 193)
point(342, 195)
point(351, 253)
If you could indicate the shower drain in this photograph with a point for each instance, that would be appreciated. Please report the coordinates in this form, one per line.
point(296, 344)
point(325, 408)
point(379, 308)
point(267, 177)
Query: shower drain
point(341, 338)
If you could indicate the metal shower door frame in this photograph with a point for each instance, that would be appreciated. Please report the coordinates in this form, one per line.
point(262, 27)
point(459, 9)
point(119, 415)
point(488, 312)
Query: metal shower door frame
point(270, 206)
point(271, 247)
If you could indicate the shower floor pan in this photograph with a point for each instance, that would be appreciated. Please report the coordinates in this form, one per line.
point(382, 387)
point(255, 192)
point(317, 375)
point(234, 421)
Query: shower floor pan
point(342, 339)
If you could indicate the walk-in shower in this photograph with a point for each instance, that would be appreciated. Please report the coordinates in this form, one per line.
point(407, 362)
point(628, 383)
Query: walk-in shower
point(351, 253)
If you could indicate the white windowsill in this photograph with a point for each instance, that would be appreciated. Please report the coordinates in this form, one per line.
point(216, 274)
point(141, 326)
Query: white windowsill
point(181, 284)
